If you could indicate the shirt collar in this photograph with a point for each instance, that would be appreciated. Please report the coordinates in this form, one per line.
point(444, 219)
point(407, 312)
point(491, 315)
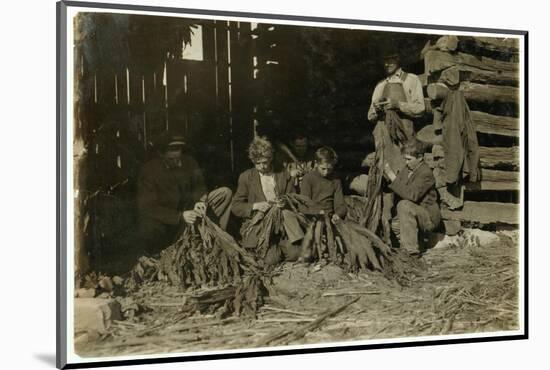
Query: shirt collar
point(396, 74)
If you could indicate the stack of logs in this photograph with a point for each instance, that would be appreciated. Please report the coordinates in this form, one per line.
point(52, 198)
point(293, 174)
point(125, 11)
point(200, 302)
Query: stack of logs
point(487, 71)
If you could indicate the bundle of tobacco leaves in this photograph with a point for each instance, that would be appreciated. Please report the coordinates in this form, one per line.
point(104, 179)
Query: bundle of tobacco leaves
point(344, 242)
point(268, 227)
point(206, 255)
point(355, 247)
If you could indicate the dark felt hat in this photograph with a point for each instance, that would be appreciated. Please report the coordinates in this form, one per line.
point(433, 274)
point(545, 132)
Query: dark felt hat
point(391, 52)
point(169, 139)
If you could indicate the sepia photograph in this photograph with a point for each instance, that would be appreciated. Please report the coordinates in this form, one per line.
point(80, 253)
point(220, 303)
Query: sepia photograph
point(250, 183)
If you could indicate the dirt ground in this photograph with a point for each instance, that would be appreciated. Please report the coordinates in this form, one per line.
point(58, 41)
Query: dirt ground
point(468, 284)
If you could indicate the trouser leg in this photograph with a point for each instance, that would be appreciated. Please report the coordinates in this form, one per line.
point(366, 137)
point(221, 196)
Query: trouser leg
point(292, 227)
point(154, 237)
point(387, 205)
point(218, 204)
point(411, 219)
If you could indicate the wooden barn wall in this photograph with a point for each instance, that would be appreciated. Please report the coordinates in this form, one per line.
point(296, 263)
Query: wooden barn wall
point(121, 109)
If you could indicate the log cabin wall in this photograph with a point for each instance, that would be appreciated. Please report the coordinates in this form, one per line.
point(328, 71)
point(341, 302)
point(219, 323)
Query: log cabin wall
point(487, 71)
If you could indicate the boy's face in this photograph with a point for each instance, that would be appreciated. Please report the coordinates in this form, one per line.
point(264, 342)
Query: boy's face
point(263, 165)
point(412, 161)
point(324, 168)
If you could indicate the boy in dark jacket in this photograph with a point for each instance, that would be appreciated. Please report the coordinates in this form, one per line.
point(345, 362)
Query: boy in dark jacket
point(417, 207)
point(258, 189)
point(322, 187)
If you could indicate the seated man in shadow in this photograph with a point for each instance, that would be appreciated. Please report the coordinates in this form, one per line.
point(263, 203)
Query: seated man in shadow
point(417, 203)
point(171, 193)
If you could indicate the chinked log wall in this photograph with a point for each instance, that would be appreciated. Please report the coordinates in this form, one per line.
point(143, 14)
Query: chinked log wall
point(487, 71)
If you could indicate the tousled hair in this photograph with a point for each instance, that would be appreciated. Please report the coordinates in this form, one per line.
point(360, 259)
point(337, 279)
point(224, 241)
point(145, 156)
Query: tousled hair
point(414, 148)
point(260, 147)
point(326, 154)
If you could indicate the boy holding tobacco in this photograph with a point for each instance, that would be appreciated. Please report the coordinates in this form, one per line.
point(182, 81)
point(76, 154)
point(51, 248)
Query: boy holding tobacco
point(417, 207)
point(322, 187)
point(259, 189)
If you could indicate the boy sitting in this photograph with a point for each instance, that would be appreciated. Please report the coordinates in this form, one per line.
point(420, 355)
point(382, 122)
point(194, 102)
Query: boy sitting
point(322, 187)
point(258, 190)
point(417, 208)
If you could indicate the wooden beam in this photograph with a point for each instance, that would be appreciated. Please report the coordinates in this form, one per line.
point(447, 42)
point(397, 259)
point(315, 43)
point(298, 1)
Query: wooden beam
point(502, 45)
point(437, 91)
point(496, 180)
point(456, 74)
point(499, 176)
point(499, 125)
point(485, 94)
point(447, 43)
point(498, 43)
point(485, 213)
point(499, 158)
point(485, 123)
point(435, 60)
point(490, 94)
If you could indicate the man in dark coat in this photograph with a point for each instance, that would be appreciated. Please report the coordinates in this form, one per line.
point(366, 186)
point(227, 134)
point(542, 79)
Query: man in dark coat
point(417, 207)
point(171, 192)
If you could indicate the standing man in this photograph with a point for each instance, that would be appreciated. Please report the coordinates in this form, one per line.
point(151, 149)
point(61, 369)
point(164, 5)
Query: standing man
point(171, 193)
point(396, 100)
point(417, 207)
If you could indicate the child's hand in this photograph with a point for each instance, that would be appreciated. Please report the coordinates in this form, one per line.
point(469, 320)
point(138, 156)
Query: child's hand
point(335, 218)
point(280, 203)
point(261, 206)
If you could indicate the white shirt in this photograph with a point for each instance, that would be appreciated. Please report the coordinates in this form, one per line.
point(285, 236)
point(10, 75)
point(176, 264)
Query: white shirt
point(268, 186)
point(414, 106)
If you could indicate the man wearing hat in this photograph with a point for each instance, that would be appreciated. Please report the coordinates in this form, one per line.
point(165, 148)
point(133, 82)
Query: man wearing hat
point(399, 92)
point(396, 101)
point(171, 193)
